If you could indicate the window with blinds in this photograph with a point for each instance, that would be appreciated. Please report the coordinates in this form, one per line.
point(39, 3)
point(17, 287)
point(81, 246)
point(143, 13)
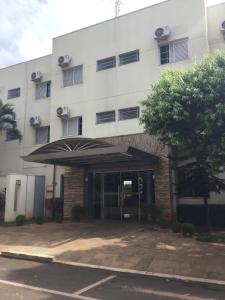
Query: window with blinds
point(14, 93)
point(129, 113)
point(73, 76)
point(42, 135)
point(72, 126)
point(106, 63)
point(129, 57)
point(43, 90)
point(174, 52)
point(105, 117)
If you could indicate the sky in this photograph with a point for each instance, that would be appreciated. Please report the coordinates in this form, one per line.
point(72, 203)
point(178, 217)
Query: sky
point(28, 26)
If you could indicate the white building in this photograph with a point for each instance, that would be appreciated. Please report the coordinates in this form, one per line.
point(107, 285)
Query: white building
point(110, 69)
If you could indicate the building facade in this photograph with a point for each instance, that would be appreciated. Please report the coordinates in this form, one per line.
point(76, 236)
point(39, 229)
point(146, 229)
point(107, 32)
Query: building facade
point(78, 114)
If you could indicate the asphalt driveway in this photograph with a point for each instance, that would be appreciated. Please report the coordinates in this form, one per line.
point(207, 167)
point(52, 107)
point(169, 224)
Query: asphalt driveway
point(32, 280)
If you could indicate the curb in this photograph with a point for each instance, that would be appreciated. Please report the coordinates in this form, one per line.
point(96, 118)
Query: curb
point(145, 273)
point(51, 259)
point(27, 256)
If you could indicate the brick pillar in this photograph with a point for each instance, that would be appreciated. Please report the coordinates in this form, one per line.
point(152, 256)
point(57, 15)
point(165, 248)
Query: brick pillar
point(73, 189)
point(163, 187)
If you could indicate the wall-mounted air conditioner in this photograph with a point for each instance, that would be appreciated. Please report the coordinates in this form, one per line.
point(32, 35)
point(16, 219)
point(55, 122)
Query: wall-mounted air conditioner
point(36, 76)
point(64, 61)
point(162, 33)
point(63, 112)
point(35, 121)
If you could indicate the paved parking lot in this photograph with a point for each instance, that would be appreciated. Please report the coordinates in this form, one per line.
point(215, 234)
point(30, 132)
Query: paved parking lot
point(27, 280)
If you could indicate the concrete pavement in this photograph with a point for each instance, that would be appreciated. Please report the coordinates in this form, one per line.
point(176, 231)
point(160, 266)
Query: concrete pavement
point(32, 280)
point(119, 245)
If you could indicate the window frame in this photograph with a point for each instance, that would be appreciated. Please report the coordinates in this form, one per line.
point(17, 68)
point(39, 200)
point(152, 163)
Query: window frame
point(70, 69)
point(127, 53)
point(79, 126)
point(169, 44)
point(104, 60)
point(15, 89)
point(105, 112)
point(48, 134)
point(127, 108)
point(48, 90)
point(7, 139)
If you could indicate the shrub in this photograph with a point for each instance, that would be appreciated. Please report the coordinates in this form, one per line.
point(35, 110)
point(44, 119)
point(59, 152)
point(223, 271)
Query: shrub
point(155, 212)
point(188, 229)
point(39, 220)
point(59, 218)
point(77, 212)
point(163, 223)
point(20, 220)
point(176, 227)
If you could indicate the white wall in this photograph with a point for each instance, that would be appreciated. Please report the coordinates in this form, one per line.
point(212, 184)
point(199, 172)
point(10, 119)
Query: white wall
point(25, 196)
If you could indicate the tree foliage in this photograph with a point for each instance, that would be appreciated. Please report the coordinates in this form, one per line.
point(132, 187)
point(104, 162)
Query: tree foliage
point(186, 110)
point(8, 119)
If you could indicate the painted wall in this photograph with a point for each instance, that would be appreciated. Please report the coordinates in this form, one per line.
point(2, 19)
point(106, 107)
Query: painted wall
point(113, 89)
point(22, 194)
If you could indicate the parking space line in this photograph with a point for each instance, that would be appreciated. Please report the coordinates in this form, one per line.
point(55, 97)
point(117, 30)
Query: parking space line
point(39, 289)
point(91, 286)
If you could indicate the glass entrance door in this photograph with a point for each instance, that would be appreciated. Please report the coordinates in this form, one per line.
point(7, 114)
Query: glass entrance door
point(120, 195)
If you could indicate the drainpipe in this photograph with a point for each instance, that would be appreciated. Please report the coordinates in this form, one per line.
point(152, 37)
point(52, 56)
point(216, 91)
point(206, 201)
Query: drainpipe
point(53, 182)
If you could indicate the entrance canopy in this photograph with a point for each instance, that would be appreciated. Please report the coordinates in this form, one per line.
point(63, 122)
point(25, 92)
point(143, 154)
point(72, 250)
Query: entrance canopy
point(79, 151)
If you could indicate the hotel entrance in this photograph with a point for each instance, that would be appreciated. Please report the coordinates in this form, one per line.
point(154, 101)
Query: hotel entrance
point(120, 195)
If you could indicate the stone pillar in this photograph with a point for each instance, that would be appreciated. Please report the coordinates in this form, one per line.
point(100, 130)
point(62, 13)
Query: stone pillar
point(163, 187)
point(73, 189)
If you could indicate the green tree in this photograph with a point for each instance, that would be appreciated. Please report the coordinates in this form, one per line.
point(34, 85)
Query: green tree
point(186, 110)
point(8, 119)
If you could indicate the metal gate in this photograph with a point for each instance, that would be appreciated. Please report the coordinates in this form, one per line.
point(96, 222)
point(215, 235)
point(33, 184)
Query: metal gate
point(39, 196)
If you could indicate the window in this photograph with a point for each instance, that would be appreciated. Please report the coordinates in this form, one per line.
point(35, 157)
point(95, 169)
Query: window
point(43, 90)
point(105, 117)
point(73, 76)
point(191, 183)
point(106, 63)
point(10, 135)
point(129, 57)
point(129, 113)
point(174, 52)
point(14, 93)
point(72, 126)
point(42, 135)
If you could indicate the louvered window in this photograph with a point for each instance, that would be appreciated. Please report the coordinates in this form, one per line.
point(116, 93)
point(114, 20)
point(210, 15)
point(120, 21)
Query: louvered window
point(73, 76)
point(106, 63)
point(129, 57)
point(129, 113)
point(105, 117)
point(174, 52)
point(14, 93)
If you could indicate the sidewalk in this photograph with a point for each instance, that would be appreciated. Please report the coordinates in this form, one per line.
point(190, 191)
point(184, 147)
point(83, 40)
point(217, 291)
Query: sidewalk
point(128, 246)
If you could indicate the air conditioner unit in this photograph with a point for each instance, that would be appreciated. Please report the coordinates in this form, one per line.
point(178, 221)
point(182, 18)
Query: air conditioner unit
point(223, 27)
point(35, 121)
point(63, 112)
point(162, 33)
point(64, 61)
point(36, 76)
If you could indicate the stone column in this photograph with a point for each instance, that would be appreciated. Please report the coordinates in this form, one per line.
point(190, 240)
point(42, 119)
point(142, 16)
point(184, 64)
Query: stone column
point(73, 189)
